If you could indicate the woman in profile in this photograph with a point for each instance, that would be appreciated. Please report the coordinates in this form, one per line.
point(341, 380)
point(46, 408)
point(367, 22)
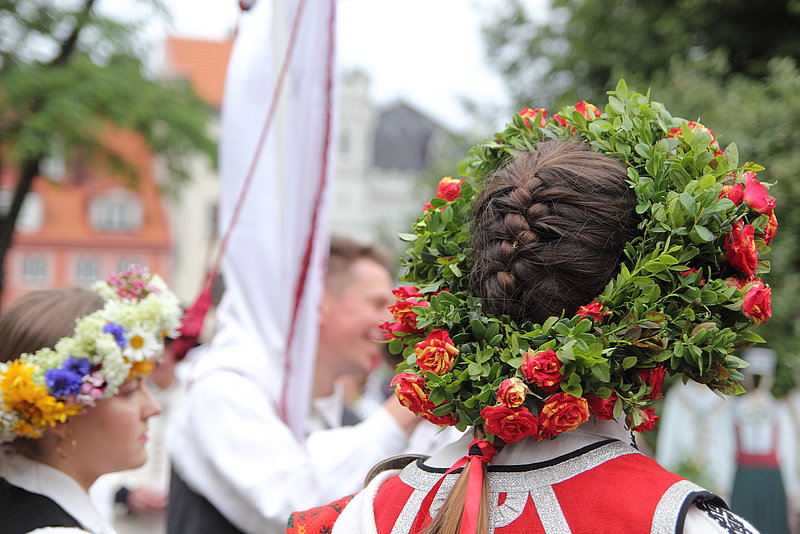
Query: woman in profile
point(74, 405)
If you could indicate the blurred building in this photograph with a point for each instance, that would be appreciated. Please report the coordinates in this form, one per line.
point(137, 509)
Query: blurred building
point(382, 152)
point(79, 223)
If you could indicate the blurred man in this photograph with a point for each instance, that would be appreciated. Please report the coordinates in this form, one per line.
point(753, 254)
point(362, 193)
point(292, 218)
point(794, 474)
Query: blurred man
point(237, 467)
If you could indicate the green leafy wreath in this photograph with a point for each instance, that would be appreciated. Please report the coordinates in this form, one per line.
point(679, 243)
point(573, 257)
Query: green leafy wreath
point(686, 296)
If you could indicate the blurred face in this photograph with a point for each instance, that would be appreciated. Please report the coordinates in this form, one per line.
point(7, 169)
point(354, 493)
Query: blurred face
point(349, 319)
point(112, 435)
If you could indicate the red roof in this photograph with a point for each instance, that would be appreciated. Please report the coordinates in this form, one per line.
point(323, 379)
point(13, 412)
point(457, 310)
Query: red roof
point(203, 63)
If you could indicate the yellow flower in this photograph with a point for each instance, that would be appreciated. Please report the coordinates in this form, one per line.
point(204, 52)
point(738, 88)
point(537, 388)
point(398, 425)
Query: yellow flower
point(142, 368)
point(36, 407)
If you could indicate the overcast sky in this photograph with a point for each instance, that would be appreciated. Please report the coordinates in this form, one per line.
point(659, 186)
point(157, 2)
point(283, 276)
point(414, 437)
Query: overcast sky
point(427, 52)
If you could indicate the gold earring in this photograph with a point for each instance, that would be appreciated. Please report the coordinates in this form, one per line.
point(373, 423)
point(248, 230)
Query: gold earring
point(68, 454)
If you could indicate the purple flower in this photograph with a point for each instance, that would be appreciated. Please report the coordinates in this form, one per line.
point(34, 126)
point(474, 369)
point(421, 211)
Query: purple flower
point(116, 330)
point(79, 366)
point(63, 382)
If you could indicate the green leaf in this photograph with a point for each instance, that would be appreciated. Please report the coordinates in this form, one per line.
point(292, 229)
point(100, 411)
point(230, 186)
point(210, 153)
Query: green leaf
point(629, 362)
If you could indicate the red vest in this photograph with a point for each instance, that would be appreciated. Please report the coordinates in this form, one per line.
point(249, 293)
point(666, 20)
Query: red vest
point(583, 493)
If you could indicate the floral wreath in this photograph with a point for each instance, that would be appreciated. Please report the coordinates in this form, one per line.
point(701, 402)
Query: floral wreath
point(686, 296)
point(108, 347)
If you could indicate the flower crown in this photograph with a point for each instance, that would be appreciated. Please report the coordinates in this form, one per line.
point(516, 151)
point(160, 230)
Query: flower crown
point(685, 297)
point(108, 347)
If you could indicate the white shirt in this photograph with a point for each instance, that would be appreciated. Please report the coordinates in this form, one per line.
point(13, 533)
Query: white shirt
point(228, 444)
point(44, 480)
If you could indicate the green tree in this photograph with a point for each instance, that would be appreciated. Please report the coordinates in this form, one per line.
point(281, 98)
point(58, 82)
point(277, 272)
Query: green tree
point(577, 49)
point(731, 65)
point(69, 76)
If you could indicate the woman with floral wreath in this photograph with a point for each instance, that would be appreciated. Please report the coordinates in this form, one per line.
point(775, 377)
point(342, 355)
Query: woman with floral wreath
point(588, 256)
point(73, 405)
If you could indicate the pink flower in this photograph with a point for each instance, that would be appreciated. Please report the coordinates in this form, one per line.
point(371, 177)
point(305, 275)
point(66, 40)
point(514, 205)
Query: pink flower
point(755, 194)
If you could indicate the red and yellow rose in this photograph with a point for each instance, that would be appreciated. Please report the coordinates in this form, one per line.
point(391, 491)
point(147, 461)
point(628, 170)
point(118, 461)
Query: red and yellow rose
point(436, 353)
point(542, 369)
point(561, 413)
point(509, 424)
point(512, 392)
point(410, 391)
point(654, 379)
point(529, 113)
point(757, 302)
point(755, 194)
point(600, 407)
point(593, 310)
point(740, 248)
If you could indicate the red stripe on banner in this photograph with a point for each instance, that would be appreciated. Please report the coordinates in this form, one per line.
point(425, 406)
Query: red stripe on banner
point(273, 106)
point(301, 281)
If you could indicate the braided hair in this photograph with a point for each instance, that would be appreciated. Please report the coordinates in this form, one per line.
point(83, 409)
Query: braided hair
point(549, 229)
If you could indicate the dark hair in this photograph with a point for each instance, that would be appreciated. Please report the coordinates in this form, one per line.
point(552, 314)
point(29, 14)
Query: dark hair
point(549, 229)
point(343, 253)
point(40, 318)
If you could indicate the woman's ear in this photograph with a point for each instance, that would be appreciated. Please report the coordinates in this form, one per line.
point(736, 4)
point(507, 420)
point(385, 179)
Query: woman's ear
point(63, 430)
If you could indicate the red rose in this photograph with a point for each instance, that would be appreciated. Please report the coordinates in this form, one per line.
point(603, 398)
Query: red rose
point(560, 120)
point(755, 194)
point(561, 413)
point(406, 292)
point(436, 353)
point(687, 272)
point(410, 391)
point(509, 424)
point(593, 310)
point(770, 229)
point(404, 315)
point(587, 110)
point(740, 248)
point(441, 420)
point(449, 188)
point(654, 378)
point(694, 126)
point(512, 392)
point(600, 407)
point(543, 369)
point(757, 302)
point(734, 193)
point(529, 113)
point(650, 420)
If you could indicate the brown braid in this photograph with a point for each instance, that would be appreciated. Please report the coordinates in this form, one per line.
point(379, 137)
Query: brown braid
point(548, 231)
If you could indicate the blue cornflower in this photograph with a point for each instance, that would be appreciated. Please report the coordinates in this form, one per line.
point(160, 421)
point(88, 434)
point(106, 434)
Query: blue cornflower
point(79, 366)
point(118, 331)
point(63, 382)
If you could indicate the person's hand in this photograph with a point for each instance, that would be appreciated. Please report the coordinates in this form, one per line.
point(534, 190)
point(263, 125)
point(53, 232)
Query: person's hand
point(407, 420)
point(147, 501)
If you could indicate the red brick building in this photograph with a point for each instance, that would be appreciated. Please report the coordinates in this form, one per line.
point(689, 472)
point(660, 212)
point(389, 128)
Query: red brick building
point(80, 223)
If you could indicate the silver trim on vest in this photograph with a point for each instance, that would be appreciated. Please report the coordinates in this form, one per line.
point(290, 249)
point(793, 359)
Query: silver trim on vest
point(665, 518)
point(518, 485)
point(549, 510)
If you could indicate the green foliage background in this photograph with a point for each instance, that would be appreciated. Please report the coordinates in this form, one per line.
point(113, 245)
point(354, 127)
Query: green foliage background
point(731, 65)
